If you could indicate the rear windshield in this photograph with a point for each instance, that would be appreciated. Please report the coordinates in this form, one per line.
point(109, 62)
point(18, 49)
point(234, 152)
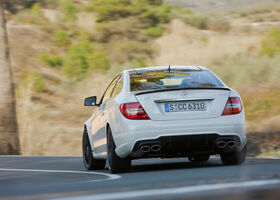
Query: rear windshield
point(175, 78)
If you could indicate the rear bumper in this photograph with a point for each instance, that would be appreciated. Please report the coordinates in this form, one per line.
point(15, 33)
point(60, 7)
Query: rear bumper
point(127, 133)
point(178, 146)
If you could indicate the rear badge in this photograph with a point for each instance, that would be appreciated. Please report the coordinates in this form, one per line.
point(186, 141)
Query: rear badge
point(184, 94)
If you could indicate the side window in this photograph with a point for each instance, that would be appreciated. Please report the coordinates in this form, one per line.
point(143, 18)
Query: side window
point(109, 89)
point(118, 87)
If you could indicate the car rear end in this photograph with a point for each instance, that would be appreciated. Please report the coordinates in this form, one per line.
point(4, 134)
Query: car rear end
point(178, 111)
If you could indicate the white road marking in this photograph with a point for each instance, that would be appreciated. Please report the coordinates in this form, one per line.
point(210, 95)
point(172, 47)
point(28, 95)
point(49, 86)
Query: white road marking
point(109, 176)
point(173, 191)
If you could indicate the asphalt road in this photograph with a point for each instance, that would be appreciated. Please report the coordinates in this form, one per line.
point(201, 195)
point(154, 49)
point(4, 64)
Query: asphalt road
point(65, 178)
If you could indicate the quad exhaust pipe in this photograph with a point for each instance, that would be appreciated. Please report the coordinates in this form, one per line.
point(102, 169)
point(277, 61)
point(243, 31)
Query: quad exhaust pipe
point(152, 148)
point(145, 149)
point(222, 144)
point(155, 148)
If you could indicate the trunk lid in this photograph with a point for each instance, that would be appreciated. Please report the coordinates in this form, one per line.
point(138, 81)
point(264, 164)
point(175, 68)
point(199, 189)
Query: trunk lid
point(184, 104)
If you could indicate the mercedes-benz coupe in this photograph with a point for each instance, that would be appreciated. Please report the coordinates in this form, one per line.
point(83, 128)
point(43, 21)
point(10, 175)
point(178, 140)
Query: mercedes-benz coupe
point(166, 112)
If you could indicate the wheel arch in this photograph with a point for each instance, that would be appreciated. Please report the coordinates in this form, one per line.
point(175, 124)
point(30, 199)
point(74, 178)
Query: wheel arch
point(87, 128)
point(107, 128)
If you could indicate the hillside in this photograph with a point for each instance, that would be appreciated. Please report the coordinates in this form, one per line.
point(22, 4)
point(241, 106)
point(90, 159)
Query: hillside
point(62, 52)
point(222, 5)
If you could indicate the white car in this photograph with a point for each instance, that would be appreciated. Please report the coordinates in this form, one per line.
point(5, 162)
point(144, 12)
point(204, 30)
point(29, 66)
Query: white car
point(167, 111)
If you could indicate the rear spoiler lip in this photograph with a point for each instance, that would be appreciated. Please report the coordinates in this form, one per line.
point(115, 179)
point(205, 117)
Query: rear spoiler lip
point(174, 89)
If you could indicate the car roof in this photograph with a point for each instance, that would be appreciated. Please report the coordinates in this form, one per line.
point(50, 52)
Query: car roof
point(166, 68)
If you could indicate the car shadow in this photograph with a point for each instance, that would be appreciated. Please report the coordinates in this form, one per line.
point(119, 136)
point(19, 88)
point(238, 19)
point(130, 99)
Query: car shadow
point(144, 167)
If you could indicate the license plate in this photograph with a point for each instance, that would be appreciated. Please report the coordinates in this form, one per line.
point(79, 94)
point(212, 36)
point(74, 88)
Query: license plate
point(185, 106)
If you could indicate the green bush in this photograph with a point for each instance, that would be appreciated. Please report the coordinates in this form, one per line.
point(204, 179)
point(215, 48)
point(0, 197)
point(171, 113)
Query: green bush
point(154, 31)
point(61, 38)
point(184, 11)
point(150, 11)
point(38, 84)
point(129, 28)
point(53, 61)
point(81, 59)
point(112, 9)
point(69, 10)
point(99, 61)
point(270, 45)
point(34, 80)
point(35, 9)
point(207, 22)
point(154, 15)
point(198, 21)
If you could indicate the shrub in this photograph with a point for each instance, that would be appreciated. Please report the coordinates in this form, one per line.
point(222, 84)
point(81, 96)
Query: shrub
point(35, 9)
point(151, 11)
point(76, 65)
point(99, 61)
point(154, 31)
point(198, 21)
point(69, 10)
point(270, 45)
point(53, 61)
point(209, 22)
point(122, 28)
point(38, 84)
point(34, 80)
point(61, 38)
point(111, 9)
point(81, 59)
point(185, 11)
point(156, 14)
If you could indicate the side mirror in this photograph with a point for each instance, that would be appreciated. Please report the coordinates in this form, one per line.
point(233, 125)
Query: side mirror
point(90, 101)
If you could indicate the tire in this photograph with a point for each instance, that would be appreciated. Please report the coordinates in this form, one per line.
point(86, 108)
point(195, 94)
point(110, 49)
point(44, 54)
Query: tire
point(116, 164)
point(89, 161)
point(199, 158)
point(234, 158)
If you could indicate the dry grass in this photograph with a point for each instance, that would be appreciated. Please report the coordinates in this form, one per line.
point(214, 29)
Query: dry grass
point(184, 45)
point(52, 123)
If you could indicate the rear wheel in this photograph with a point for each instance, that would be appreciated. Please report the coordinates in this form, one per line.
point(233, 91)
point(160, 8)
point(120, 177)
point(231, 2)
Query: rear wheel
point(89, 161)
point(116, 164)
point(234, 158)
point(199, 158)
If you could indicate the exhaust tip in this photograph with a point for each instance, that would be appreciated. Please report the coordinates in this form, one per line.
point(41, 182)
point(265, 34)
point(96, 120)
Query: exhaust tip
point(156, 148)
point(145, 149)
point(231, 144)
point(221, 144)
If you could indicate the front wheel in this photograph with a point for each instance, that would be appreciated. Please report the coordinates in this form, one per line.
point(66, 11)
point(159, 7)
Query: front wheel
point(116, 164)
point(89, 161)
point(234, 158)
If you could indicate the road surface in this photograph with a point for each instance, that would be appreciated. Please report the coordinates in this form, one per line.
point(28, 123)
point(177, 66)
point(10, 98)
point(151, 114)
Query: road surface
point(65, 178)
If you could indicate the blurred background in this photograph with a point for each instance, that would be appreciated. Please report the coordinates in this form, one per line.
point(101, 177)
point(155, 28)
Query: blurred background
point(63, 51)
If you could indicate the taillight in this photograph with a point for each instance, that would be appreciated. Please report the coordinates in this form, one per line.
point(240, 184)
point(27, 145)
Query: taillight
point(233, 106)
point(133, 111)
